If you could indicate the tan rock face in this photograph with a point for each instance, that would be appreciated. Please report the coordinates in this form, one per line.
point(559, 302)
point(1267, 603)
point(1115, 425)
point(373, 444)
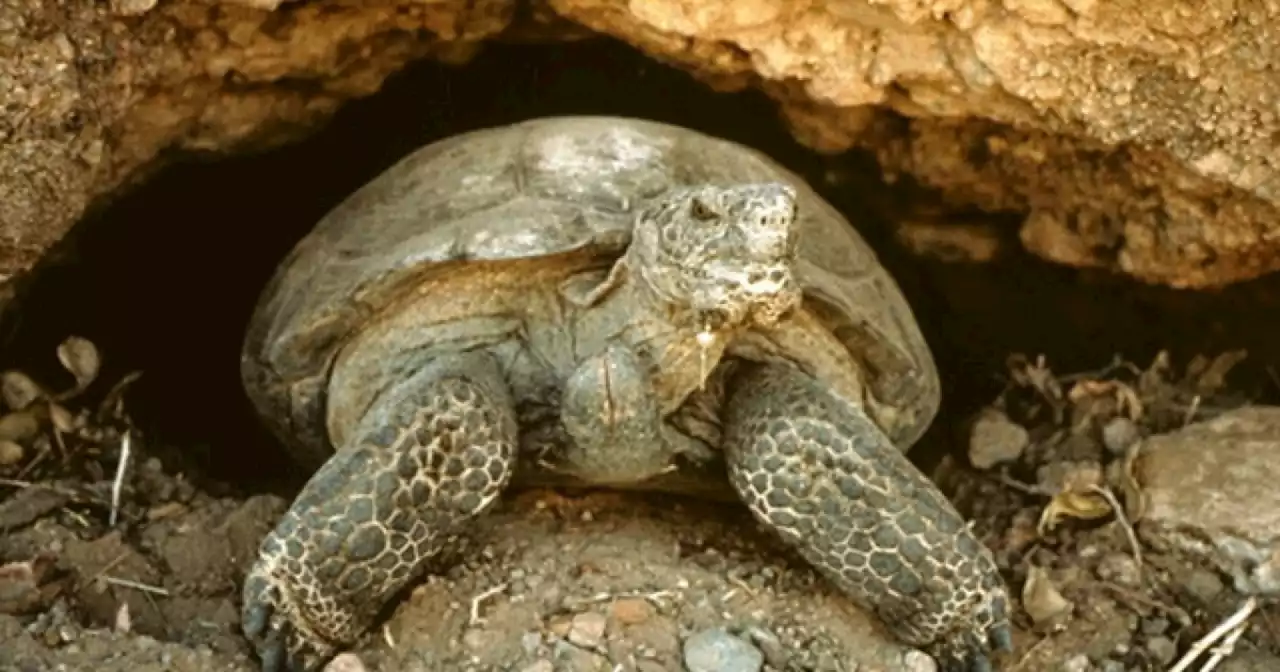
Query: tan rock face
point(1142, 137)
point(92, 91)
point(1137, 136)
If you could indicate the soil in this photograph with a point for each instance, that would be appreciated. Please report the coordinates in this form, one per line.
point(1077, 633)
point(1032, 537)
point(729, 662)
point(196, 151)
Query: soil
point(604, 580)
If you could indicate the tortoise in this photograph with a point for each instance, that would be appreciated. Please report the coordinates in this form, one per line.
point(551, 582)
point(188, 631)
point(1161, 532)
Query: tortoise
point(606, 302)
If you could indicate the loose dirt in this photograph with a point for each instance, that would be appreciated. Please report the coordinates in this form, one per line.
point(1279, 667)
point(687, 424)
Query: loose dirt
point(608, 581)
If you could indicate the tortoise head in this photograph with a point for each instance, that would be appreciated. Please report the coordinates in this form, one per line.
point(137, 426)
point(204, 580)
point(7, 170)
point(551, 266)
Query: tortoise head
point(723, 254)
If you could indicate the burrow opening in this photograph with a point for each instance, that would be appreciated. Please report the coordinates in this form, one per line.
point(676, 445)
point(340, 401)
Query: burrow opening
point(163, 279)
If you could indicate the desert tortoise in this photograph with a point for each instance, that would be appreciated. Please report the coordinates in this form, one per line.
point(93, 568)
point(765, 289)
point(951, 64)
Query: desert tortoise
point(631, 303)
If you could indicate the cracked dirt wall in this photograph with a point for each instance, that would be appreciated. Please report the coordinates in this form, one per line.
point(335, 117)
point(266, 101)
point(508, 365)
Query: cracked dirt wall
point(1140, 137)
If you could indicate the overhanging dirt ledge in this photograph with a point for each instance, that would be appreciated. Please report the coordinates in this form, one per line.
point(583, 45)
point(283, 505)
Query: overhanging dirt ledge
point(1139, 138)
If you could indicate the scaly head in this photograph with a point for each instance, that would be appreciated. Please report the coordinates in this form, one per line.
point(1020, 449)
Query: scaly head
point(723, 255)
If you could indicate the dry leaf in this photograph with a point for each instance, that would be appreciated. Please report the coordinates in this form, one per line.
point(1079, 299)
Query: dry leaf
point(1211, 376)
point(19, 426)
point(1125, 398)
point(1035, 375)
point(63, 420)
point(112, 406)
point(11, 453)
point(19, 390)
point(1081, 505)
point(1156, 377)
point(79, 356)
point(1041, 599)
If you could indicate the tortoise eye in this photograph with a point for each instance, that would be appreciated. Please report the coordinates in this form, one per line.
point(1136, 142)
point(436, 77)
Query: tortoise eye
point(701, 210)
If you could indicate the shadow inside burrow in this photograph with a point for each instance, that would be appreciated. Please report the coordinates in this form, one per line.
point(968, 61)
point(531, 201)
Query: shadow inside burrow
point(164, 278)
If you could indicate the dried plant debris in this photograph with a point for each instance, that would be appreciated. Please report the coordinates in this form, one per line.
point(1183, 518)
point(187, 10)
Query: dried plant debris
point(1061, 499)
point(43, 432)
point(63, 447)
point(1073, 438)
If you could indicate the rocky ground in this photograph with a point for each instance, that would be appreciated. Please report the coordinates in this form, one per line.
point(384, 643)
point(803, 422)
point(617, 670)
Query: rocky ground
point(1132, 509)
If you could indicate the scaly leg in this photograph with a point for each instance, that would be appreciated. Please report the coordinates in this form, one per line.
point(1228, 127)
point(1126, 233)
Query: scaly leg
point(430, 455)
point(819, 472)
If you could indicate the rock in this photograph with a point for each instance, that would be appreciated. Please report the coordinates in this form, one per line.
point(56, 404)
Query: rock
point(1077, 663)
point(1211, 494)
point(1120, 569)
point(631, 610)
point(77, 137)
point(1250, 660)
point(345, 662)
point(1162, 649)
point(1072, 82)
point(1023, 107)
point(919, 661)
point(715, 650)
point(775, 653)
point(22, 588)
point(574, 659)
point(995, 439)
point(587, 630)
point(1119, 434)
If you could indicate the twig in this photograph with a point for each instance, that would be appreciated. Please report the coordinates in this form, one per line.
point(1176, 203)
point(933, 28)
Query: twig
point(1201, 645)
point(1124, 523)
point(652, 597)
point(1190, 413)
point(475, 602)
point(109, 566)
point(1025, 488)
point(126, 583)
point(118, 484)
point(1226, 648)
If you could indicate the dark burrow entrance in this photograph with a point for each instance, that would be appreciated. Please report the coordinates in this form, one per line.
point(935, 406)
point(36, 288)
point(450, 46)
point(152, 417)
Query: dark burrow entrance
point(164, 279)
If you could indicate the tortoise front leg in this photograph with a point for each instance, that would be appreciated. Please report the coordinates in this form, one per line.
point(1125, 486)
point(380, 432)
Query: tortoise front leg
point(819, 472)
point(431, 454)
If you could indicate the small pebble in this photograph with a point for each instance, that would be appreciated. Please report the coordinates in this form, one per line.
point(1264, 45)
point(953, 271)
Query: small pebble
point(473, 639)
point(1205, 585)
point(774, 652)
point(1109, 665)
point(345, 662)
point(995, 439)
point(1119, 434)
point(587, 630)
point(530, 641)
point(539, 666)
point(1154, 625)
point(918, 661)
point(716, 650)
point(631, 610)
point(1121, 569)
point(574, 659)
point(1163, 649)
point(1076, 663)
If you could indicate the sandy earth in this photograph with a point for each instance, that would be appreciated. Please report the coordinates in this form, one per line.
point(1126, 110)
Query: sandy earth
point(607, 581)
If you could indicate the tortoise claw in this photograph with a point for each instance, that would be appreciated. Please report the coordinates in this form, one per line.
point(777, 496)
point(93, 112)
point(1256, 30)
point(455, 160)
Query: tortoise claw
point(970, 652)
point(279, 645)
